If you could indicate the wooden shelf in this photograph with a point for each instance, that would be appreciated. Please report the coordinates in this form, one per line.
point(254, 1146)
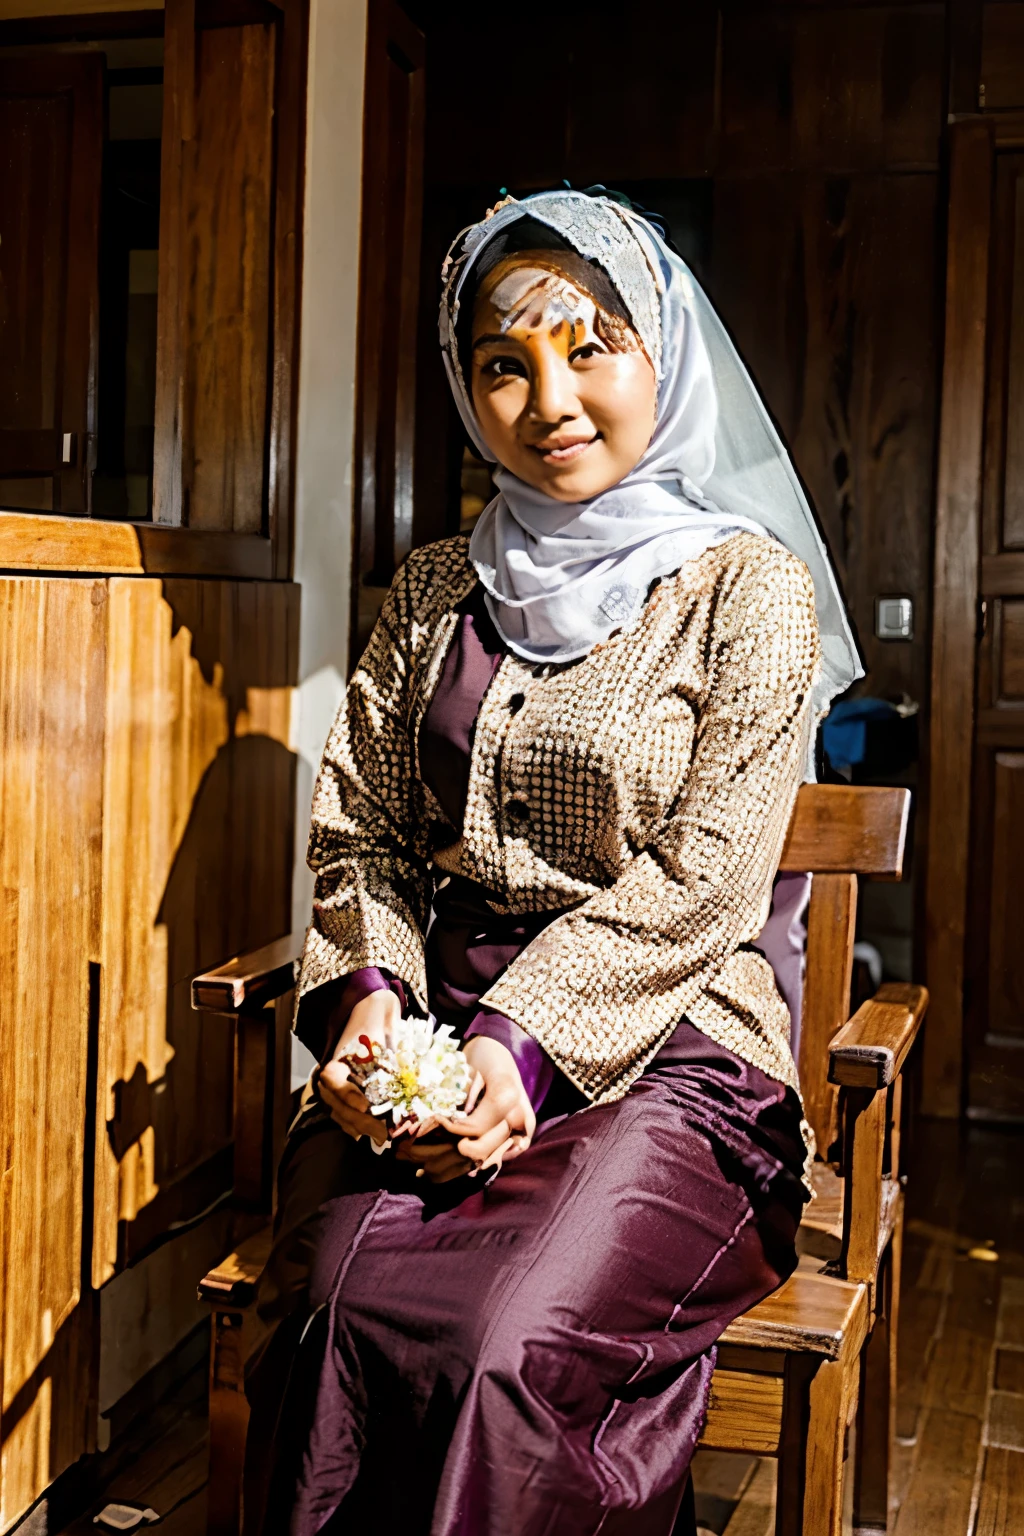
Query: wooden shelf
point(32, 541)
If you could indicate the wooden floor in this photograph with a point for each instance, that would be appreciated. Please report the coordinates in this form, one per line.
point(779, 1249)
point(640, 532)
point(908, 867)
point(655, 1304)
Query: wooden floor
point(960, 1410)
point(960, 1415)
point(162, 1464)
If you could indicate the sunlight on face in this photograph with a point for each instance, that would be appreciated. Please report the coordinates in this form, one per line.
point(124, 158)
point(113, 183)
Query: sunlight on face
point(560, 406)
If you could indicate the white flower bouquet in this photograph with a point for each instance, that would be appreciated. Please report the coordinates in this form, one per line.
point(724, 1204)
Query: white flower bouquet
point(418, 1076)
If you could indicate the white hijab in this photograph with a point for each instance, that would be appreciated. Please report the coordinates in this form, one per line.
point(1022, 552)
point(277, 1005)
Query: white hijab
point(559, 577)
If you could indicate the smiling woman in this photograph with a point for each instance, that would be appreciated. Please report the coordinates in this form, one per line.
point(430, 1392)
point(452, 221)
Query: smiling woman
point(564, 391)
point(549, 815)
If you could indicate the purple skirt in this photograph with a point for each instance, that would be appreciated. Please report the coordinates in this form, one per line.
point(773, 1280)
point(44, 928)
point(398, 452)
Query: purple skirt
point(529, 1358)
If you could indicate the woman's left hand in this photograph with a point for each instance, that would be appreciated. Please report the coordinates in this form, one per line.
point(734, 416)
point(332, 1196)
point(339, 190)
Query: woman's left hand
point(499, 1122)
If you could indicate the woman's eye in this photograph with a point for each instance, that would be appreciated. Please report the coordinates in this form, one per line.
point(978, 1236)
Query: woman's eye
point(586, 352)
point(506, 367)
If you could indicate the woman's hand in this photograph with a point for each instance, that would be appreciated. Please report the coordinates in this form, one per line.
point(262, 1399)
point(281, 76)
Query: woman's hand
point(373, 1016)
point(499, 1121)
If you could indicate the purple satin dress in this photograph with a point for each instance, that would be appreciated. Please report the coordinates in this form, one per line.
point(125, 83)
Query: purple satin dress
point(531, 1357)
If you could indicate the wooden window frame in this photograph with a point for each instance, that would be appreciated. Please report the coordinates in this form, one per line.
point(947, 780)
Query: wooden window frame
point(31, 541)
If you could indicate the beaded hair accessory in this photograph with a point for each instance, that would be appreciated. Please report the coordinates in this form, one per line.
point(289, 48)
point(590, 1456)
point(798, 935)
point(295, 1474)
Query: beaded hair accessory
point(598, 228)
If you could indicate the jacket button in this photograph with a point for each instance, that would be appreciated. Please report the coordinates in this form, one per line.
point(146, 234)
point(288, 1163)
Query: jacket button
point(516, 702)
point(516, 810)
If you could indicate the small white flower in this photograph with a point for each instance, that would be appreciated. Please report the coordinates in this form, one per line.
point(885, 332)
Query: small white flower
point(421, 1074)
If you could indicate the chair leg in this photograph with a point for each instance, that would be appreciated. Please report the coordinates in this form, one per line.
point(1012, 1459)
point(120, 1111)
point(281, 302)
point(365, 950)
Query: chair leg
point(820, 1397)
point(875, 1418)
point(229, 1419)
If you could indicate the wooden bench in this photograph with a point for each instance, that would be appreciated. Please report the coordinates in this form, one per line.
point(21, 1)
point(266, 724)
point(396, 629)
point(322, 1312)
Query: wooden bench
point(807, 1375)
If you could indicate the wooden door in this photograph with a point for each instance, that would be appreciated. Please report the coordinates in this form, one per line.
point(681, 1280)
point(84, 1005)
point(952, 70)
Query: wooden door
point(975, 913)
point(995, 949)
point(51, 145)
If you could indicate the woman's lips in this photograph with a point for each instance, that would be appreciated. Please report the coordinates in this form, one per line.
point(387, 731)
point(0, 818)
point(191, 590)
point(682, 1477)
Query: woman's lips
point(565, 452)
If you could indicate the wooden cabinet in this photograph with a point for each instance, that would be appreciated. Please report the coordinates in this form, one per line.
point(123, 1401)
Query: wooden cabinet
point(147, 781)
point(146, 832)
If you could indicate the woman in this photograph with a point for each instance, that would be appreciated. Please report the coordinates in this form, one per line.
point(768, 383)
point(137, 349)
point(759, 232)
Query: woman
point(550, 813)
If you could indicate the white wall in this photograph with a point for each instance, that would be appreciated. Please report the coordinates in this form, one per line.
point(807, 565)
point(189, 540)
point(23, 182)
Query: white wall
point(327, 385)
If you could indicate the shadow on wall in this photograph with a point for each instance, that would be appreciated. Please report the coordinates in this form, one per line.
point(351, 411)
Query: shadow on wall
point(204, 847)
point(148, 826)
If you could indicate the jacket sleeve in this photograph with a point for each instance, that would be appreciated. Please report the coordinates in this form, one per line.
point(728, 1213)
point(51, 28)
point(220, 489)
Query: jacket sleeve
point(603, 986)
point(372, 891)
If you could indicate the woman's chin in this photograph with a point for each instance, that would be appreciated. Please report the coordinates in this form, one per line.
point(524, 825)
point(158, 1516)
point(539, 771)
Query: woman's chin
point(576, 482)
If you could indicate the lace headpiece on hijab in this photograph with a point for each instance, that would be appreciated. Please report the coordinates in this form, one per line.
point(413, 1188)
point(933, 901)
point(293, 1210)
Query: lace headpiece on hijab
point(560, 577)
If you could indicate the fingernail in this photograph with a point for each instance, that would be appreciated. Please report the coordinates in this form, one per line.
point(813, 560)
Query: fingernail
point(420, 1172)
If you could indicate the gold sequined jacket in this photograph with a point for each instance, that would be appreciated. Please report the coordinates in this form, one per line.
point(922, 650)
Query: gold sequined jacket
point(643, 791)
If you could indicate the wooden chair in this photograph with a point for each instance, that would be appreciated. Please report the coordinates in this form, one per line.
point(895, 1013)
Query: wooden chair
point(807, 1376)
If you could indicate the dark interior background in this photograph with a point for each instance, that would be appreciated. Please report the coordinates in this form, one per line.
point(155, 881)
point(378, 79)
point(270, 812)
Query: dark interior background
point(796, 151)
point(796, 154)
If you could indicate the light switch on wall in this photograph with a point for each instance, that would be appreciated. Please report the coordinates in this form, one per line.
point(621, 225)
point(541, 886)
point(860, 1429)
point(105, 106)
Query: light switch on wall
point(894, 618)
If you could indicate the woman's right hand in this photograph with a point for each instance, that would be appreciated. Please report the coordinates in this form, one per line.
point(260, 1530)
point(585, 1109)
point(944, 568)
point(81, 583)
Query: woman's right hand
point(373, 1016)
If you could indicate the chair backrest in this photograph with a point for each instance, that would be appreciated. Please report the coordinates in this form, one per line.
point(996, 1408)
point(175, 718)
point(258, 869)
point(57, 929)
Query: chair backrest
point(838, 832)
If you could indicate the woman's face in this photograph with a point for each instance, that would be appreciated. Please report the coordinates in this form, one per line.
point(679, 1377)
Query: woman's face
point(557, 405)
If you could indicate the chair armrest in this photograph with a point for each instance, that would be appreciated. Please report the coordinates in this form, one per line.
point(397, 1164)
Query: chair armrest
point(249, 980)
point(233, 1282)
point(869, 1051)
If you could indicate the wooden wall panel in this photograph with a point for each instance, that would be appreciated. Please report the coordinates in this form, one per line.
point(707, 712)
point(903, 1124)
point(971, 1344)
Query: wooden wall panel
point(834, 307)
point(51, 747)
point(198, 826)
point(1002, 54)
point(525, 142)
point(834, 88)
point(228, 237)
point(1006, 953)
point(677, 114)
point(1010, 623)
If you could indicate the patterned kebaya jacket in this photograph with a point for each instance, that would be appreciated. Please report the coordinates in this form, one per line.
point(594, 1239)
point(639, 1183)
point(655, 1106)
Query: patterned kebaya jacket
point(644, 791)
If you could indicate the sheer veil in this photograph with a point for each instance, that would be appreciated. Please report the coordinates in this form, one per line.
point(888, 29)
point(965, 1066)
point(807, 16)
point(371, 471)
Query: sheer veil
point(560, 577)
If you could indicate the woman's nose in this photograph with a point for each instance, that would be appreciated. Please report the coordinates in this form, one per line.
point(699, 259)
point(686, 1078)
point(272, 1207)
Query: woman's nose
point(553, 397)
